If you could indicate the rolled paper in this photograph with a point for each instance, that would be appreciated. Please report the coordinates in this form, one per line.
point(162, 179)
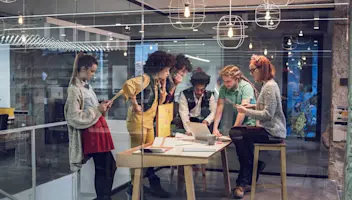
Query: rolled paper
point(117, 95)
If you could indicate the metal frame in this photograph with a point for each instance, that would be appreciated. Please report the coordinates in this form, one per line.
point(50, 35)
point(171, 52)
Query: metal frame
point(33, 154)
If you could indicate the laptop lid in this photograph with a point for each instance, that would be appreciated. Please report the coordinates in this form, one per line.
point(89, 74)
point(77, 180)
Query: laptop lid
point(200, 131)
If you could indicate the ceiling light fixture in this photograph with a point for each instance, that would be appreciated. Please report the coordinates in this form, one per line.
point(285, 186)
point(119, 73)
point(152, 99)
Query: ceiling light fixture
point(125, 53)
point(250, 45)
point(195, 30)
point(265, 52)
point(289, 42)
point(300, 34)
point(197, 58)
point(230, 27)
point(20, 20)
point(187, 12)
point(316, 25)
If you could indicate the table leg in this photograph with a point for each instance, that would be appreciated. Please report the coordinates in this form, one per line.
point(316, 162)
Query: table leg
point(189, 183)
point(225, 168)
point(180, 179)
point(136, 184)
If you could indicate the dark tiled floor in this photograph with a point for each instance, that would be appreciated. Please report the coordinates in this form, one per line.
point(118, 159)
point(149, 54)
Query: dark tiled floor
point(298, 188)
point(303, 158)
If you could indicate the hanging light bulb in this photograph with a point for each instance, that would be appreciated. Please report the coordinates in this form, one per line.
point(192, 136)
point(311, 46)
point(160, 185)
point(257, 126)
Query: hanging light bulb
point(151, 47)
point(20, 20)
point(267, 15)
point(23, 39)
point(230, 32)
point(308, 48)
point(272, 56)
point(289, 42)
point(250, 45)
point(265, 52)
point(304, 58)
point(289, 53)
point(300, 34)
point(299, 63)
point(286, 63)
point(125, 53)
point(187, 11)
point(271, 22)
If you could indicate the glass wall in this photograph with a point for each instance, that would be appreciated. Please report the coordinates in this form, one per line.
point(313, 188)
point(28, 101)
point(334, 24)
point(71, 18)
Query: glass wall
point(39, 41)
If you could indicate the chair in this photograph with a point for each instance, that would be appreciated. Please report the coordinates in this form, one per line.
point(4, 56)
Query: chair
point(4, 121)
point(270, 147)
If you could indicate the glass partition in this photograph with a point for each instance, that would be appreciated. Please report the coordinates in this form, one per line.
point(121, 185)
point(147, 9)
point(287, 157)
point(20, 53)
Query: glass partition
point(142, 57)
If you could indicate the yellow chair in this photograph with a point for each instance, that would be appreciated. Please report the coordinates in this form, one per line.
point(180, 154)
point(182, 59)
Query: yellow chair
point(270, 147)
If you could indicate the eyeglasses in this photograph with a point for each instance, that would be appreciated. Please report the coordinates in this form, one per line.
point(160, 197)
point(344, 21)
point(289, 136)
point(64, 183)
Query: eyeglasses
point(252, 70)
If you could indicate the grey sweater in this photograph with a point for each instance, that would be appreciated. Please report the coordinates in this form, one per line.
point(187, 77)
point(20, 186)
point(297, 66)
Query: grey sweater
point(269, 110)
point(78, 119)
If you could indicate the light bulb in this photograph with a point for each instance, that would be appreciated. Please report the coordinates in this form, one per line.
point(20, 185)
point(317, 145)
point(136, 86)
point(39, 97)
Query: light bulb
point(125, 53)
point(289, 42)
point(265, 52)
point(271, 22)
point(304, 58)
point(250, 45)
point(230, 32)
point(23, 38)
point(299, 63)
point(267, 15)
point(272, 57)
point(300, 34)
point(20, 19)
point(308, 48)
point(286, 63)
point(187, 11)
point(151, 47)
point(289, 53)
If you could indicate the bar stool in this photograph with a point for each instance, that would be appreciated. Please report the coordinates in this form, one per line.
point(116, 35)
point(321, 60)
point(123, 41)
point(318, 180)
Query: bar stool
point(270, 147)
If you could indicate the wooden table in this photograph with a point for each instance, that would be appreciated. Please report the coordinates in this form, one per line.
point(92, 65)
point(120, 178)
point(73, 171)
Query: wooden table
point(173, 157)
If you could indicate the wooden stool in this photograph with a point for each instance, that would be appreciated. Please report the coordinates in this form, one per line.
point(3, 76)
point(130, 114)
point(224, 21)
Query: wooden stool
point(270, 147)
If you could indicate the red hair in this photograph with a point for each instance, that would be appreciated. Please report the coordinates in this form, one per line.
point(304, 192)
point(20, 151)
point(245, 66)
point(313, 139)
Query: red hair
point(262, 63)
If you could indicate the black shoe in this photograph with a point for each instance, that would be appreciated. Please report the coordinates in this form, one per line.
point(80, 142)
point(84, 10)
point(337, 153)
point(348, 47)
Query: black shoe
point(156, 189)
point(129, 192)
point(261, 166)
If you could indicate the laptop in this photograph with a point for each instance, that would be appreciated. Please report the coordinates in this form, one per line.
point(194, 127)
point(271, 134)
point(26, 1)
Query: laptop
point(200, 131)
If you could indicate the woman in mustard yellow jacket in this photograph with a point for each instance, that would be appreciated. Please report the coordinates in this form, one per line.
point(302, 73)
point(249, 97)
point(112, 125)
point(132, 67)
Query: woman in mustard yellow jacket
point(141, 113)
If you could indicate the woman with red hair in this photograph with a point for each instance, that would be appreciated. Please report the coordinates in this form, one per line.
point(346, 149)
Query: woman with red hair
point(270, 122)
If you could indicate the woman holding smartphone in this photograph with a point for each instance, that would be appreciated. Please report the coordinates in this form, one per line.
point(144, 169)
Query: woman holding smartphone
point(89, 134)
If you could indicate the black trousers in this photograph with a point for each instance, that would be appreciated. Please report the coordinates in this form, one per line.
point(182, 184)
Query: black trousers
point(105, 168)
point(244, 138)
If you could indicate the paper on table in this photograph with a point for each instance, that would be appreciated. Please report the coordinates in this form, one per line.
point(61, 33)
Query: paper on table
point(169, 142)
point(224, 138)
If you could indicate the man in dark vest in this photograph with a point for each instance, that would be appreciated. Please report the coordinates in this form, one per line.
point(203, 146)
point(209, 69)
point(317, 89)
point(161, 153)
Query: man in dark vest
point(196, 104)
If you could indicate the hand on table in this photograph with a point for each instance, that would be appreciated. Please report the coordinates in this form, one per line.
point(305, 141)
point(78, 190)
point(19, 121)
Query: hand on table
point(217, 133)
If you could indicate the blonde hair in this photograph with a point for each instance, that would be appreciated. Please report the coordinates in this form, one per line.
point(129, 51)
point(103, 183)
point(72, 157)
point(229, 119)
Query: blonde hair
point(235, 72)
point(75, 68)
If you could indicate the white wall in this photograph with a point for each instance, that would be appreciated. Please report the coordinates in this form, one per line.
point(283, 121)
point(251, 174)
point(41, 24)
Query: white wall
point(5, 76)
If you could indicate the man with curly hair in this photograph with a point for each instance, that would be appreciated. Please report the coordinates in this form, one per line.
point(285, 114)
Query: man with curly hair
point(142, 112)
point(177, 73)
point(196, 104)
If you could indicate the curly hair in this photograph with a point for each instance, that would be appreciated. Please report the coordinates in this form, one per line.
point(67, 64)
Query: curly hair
point(182, 61)
point(157, 61)
point(235, 72)
point(200, 78)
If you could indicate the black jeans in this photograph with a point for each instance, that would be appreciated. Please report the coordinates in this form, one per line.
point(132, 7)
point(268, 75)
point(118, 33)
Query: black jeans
point(244, 138)
point(105, 168)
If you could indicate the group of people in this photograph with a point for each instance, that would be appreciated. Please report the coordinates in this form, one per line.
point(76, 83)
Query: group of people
point(257, 117)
